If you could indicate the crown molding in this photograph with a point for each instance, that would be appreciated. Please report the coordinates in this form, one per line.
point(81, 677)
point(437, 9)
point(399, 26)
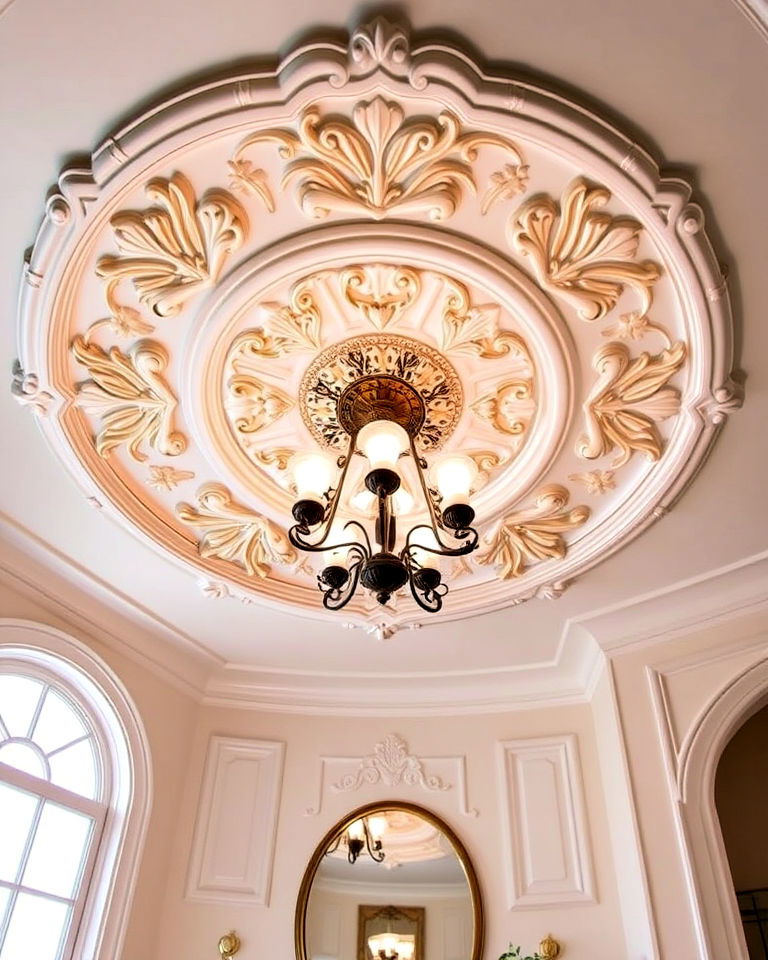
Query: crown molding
point(726, 593)
point(756, 11)
point(69, 592)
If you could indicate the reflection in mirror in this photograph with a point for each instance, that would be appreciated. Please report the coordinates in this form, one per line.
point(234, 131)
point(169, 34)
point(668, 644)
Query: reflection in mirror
point(390, 882)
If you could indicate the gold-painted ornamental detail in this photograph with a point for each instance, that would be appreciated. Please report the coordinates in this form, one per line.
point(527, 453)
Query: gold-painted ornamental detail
point(175, 249)
point(418, 364)
point(556, 317)
point(378, 162)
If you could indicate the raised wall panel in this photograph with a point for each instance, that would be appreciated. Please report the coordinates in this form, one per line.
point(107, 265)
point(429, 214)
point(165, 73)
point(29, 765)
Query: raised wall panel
point(234, 840)
point(547, 857)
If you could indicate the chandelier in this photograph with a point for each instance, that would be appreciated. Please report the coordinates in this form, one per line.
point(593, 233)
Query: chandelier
point(392, 946)
point(383, 414)
point(361, 835)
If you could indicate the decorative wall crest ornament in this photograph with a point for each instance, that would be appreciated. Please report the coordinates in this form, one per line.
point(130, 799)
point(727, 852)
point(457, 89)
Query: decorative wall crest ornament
point(276, 321)
point(390, 764)
point(378, 163)
point(585, 256)
point(380, 291)
point(130, 397)
point(172, 251)
point(535, 533)
point(234, 533)
point(628, 400)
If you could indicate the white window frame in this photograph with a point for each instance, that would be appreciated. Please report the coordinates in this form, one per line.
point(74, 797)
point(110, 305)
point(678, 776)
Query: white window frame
point(101, 916)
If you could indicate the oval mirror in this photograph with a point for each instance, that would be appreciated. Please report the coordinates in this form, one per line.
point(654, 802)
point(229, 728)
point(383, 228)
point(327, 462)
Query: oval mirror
point(390, 881)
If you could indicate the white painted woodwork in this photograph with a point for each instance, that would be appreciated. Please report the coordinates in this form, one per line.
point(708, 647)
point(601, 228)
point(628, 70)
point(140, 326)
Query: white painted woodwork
point(548, 859)
point(234, 840)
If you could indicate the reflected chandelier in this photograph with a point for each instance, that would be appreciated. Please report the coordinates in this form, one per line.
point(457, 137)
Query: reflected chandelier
point(364, 834)
point(382, 414)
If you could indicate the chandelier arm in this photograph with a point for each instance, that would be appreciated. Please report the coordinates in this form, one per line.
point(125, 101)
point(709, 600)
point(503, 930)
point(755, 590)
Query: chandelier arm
point(429, 600)
point(334, 598)
point(332, 506)
point(470, 536)
point(436, 519)
point(373, 853)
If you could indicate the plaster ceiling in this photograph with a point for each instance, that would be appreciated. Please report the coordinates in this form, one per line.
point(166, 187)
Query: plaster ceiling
point(664, 75)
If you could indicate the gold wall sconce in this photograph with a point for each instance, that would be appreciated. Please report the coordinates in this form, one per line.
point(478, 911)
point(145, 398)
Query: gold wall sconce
point(549, 948)
point(229, 944)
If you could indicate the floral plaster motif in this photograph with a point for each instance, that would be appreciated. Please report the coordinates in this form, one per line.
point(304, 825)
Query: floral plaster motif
point(390, 764)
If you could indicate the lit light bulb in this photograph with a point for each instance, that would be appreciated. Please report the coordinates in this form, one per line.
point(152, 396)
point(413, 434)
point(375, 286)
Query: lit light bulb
point(425, 538)
point(355, 830)
point(382, 442)
point(402, 502)
point(377, 827)
point(453, 477)
point(338, 555)
point(313, 474)
point(405, 948)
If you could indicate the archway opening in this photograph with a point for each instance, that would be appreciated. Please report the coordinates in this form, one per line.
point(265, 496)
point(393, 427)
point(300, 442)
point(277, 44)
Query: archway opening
point(741, 800)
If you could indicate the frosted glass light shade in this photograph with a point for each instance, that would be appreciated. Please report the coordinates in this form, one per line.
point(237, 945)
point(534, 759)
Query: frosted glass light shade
point(454, 477)
point(313, 474)
point(382, 442)
point(377, 827)
point(355, 830)
point(425, 538)
point(392, 943)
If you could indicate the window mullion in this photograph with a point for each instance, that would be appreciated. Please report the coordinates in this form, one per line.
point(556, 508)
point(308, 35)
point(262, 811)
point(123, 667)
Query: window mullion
point(66, 746)
point(38, 711)
point(29, 784)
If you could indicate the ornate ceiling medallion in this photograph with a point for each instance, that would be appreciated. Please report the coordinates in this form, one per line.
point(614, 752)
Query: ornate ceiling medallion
point(343, 364)
point(548, 301)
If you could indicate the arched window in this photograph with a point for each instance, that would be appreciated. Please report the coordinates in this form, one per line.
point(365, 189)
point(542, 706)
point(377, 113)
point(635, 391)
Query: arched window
point(74, 798)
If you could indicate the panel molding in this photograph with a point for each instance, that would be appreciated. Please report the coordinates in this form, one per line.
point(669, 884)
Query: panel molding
point(234, 840)
point(544, 822)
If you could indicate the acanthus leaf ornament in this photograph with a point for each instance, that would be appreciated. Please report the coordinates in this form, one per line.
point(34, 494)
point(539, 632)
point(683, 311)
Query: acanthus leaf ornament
point(390, 764)
point(584, 255)
point(535, 533)
point(380, 292)
point(509, 408)
point(505, 184)
point(293, 327)
point(474, 330)
point(252, 404)
point(629, 398)
point(173, 250)
point(378, 163)
point(129, 395)
point(234, 533)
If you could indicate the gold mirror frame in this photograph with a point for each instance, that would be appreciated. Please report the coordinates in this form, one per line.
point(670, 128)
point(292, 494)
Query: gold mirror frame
point(300, 921)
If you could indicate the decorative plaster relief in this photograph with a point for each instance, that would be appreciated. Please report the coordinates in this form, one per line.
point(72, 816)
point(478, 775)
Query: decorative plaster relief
point(628, 400)
point(235, 534)
point(584, 256)
point(490, 312)
point(378, 163)
point(535, 533)
point(130, 397)
point(172, 251)
point(391, 765)
point(234, 839)
point(547, 860)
